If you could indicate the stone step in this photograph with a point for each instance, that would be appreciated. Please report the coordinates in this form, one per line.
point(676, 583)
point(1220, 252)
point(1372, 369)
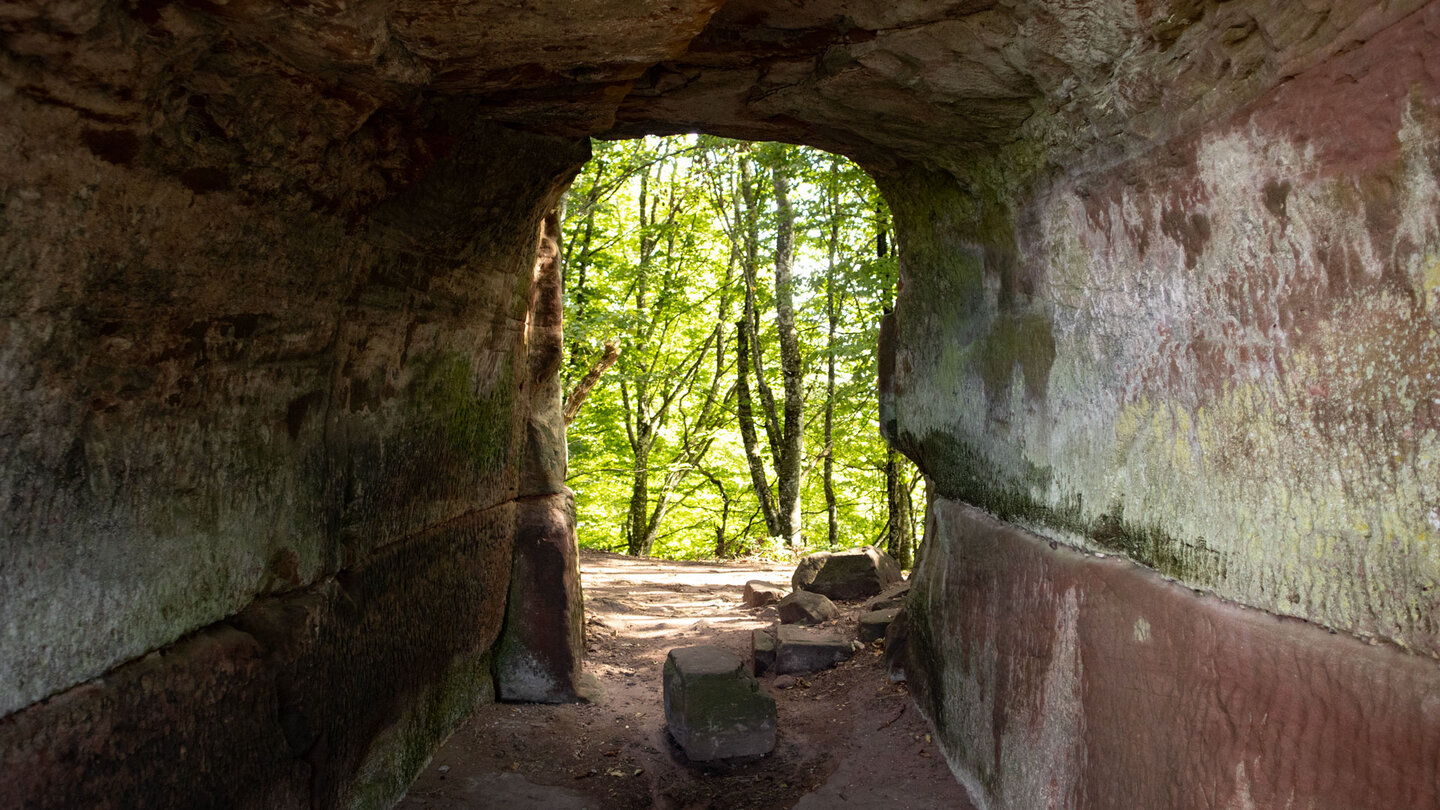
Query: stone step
point(845, 575)
point(714, 708)
point(799, 650)
point(875, 623)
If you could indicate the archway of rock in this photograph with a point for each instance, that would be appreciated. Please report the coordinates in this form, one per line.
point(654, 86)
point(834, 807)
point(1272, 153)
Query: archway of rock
point(656, 245)
point(274, 421)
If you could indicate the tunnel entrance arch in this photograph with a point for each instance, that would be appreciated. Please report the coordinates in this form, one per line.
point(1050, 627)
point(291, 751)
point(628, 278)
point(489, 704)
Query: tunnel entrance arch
point(1167, 265)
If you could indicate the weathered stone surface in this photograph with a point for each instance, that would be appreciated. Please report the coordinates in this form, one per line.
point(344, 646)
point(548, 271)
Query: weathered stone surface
point(803, 607)
point(327, 697)
point(1125, 690)
point(891, 597)
point(762, 651)
point(540, 656)
point(897, 647)
point(846, 575)
point(196, 725)
point(1173, 329)
point(713, 708)
point(269, 433)
point(376, 667)
point(875, 624)
point(800, 650)
point(759, 594)
point(269, 310)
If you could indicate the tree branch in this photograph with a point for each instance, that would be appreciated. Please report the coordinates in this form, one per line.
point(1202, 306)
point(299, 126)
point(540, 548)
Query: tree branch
point(582, 390)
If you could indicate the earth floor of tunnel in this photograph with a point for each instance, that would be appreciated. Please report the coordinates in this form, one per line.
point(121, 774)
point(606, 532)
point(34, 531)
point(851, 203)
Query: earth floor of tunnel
point(847, 737)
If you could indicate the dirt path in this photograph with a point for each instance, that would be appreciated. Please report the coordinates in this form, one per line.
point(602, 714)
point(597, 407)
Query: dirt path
point(847, 738)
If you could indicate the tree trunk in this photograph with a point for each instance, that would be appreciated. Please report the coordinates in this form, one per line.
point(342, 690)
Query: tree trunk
point(750, 267)
point(746, 417)
point(582, 389)
point(899, 543)
point(637, 524)
point(787, 471)
point(831, 516)
point(747, 227)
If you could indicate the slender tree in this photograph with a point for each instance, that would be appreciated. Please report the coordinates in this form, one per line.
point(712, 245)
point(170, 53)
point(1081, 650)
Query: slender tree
point(792, 436)
point(832, 322)
point(749, 357)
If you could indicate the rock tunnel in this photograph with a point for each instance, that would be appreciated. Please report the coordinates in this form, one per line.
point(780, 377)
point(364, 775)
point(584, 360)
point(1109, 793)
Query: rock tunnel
point(279, 376)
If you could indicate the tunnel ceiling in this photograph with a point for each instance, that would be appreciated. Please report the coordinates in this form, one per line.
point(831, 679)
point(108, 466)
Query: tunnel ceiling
point(881, 81)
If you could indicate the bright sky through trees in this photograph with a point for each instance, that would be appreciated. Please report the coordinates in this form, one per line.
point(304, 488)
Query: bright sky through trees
point(740, 405)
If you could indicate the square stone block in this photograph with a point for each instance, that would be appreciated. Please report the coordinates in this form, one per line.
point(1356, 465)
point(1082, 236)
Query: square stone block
point(762, 647)
point(801, 650)
point(874, 623)
point(714, 708)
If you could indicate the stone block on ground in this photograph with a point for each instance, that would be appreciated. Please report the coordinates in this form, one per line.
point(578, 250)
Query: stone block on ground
point(803, 607)
point(714, 708)
point(759, 594)
point(541, 651)
point(762, 651)
point(895, 644)
point(875, 623)
point(800, 650)
point(854, 574)
point(891, 597)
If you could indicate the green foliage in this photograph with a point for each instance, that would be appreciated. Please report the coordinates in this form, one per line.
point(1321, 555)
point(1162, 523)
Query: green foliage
point(664, 284)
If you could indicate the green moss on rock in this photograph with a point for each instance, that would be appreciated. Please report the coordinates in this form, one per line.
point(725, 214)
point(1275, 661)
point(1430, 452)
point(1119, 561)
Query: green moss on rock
point(960, 471)
point(398, 754)
point(478, 426)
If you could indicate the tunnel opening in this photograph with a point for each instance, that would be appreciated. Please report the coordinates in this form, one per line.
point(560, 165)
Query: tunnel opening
point(279, 416)
point(670, 249)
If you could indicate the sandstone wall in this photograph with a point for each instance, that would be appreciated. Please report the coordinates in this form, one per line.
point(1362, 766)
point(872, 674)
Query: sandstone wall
point(1216, 355)
point(268, 303)
point(262, 428)
point(1061, 679)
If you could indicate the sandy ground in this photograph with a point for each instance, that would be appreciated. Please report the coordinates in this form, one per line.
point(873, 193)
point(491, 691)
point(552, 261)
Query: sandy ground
point(848, 737)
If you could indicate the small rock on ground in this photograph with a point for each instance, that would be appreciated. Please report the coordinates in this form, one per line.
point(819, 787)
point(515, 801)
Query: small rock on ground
point(874, 624)
point(759, 594)
point(803, 607)
point(801, 651)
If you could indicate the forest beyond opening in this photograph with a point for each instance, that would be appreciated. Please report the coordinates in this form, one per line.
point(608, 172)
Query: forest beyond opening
point(723, 302)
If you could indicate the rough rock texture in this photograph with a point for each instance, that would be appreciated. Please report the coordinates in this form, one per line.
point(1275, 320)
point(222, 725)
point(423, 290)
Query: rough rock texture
point(897, 647)
point(758, 594)
point(262, 712)
point(270, 313)
point(262, 340)
point(713, 708)
point(891, 597)
point(874, 624)
point(539, 659)
point(762, 652)
point(1115, 688)
point(846, 575)
point(803, 607)
point(799, 650)
point(1216, 357)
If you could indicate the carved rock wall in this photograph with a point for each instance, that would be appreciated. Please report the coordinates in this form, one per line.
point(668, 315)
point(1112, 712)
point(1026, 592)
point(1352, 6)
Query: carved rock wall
point(1059, 679)
point(262, 444)
point(274, 351)
point(1215, 357)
